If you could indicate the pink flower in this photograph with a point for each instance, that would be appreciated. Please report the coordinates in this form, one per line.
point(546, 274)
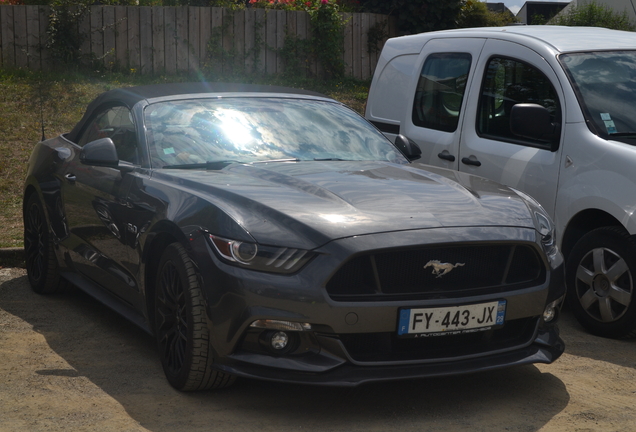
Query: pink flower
point(324, 1)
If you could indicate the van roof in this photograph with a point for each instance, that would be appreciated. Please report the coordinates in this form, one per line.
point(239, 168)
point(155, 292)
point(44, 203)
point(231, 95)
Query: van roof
point(561, 38)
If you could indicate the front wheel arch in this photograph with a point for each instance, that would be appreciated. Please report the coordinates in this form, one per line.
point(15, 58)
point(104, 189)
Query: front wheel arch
point(581, 224)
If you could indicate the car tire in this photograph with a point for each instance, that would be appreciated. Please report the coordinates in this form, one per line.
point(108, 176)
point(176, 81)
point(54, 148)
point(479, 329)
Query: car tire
point(181, 325)
point(41, 263)
point(601, 276)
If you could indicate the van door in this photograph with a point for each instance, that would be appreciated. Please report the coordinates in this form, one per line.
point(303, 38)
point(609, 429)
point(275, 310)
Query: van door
point(509, 74)
point(435, 110)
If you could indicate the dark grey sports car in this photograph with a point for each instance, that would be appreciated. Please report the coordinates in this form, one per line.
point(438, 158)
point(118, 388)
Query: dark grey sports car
point(275, 234)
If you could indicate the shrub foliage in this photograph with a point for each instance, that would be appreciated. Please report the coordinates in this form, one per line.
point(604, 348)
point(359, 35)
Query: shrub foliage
point(593, 15)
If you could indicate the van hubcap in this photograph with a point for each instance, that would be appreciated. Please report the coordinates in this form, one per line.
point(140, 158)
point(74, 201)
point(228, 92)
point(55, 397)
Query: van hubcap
point(604, 285)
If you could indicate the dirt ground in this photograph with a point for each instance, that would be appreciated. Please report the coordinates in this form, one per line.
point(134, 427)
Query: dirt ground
point(68, 363)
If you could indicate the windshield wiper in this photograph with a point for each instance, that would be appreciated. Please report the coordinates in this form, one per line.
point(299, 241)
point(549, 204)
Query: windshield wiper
point(276, 160)
point(622, 134)
point(211, 165)
point(329, 159)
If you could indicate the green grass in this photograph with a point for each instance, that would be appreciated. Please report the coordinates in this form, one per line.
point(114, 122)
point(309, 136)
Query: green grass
point(60, 98)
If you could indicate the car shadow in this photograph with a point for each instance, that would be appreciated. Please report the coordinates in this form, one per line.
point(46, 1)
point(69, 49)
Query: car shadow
point(578, 342)
point(121, 360)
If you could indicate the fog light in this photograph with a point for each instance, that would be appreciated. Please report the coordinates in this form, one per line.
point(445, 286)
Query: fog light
point(279, 340)
point(551, 310)
point(549, 313)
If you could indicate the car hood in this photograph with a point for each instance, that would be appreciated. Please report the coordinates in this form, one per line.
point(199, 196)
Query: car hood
point(309, 203)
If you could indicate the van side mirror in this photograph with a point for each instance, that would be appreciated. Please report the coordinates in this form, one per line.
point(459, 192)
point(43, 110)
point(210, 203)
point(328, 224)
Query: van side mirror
point(408, 147)
point(533, 121)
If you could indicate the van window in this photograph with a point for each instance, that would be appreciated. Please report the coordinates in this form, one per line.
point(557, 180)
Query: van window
point(508, 82)
point(440, 91)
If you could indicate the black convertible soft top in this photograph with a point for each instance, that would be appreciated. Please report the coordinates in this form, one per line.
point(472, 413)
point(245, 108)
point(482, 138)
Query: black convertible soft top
point(129, 96)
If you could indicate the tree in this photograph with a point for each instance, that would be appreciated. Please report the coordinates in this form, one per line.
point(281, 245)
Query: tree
point(475, 13)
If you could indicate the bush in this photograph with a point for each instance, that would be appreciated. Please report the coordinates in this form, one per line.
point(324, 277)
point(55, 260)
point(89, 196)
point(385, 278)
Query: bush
point(476, 14)
point(593, 15)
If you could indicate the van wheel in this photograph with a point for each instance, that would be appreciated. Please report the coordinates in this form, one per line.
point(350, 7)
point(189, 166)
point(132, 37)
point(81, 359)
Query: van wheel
point(181, 325)
point(600, 276)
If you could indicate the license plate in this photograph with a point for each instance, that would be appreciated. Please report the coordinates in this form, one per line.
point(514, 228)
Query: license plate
point(452, 319)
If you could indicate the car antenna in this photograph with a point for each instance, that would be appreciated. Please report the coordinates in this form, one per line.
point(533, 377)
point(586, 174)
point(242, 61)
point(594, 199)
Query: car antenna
point(42, 110)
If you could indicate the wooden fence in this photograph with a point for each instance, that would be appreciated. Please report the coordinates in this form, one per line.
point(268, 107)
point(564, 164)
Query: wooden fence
point(169, 40)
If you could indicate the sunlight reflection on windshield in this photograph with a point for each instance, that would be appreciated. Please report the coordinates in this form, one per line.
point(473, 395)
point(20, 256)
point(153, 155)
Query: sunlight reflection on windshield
point(233, 124)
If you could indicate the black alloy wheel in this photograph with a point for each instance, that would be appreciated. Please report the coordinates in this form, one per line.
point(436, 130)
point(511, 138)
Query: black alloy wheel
point(181, 325)
point(41, 263)
point(601, 276)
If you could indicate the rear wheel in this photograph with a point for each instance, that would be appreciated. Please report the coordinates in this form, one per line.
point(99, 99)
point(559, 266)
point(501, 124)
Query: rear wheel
point(41, 263)
point(601, 275)
point(181, 325)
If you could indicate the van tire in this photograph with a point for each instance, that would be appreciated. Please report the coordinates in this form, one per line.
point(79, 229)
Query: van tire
point(601, 277)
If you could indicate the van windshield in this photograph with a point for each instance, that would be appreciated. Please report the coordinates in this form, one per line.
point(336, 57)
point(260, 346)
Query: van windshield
point(605, 83)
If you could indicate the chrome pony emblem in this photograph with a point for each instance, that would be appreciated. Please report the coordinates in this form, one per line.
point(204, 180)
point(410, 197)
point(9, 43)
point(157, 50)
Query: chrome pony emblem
point(440, 268)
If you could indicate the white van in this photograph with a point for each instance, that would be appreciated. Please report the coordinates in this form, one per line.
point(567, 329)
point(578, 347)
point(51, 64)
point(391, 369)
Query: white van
point(548, 110)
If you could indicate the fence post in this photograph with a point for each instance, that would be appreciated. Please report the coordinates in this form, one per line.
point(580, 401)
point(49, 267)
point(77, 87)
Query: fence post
point(194, 40)
point(216, 61)
point(45, 57)
point(239, 41)
point(170, 34)
point(33, 37)
point(109, 36)
point(134, 38)
point(181, 38)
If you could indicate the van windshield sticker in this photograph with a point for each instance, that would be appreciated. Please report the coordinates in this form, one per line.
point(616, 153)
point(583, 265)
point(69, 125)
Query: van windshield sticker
point(609, 123)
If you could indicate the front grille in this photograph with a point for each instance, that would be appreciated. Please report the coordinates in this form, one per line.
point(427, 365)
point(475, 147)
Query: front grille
point(403, 275)
point(385, 347)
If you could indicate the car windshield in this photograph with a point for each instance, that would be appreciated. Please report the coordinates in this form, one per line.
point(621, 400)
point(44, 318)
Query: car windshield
point(606, 88)
point(209, 132)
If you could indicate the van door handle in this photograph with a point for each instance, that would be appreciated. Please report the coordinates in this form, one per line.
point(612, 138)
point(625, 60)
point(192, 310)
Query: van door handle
point(446, 156)
point(469, 161)
point(70, 177)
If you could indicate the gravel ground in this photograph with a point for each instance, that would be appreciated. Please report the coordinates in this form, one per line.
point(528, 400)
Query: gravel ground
point(68, 363)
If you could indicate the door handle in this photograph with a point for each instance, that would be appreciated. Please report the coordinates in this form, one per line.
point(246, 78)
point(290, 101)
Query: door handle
point(70, 177)
point(469, 161)
point(446, 156)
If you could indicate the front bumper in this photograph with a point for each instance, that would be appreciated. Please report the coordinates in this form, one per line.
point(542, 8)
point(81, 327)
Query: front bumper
point(343, 351)
point(347, 374)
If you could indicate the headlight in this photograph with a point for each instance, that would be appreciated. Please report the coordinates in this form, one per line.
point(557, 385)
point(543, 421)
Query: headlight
point(258, 257)
point(542, 222)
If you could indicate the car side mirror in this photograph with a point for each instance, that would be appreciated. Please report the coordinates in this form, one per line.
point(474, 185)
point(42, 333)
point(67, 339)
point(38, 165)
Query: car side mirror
point(102, 152)
point(408, 147)
point(533, 121)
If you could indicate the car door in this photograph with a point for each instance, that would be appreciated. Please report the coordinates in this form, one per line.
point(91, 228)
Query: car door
point(435, 111)
point(509, 74)
point(96, 207)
